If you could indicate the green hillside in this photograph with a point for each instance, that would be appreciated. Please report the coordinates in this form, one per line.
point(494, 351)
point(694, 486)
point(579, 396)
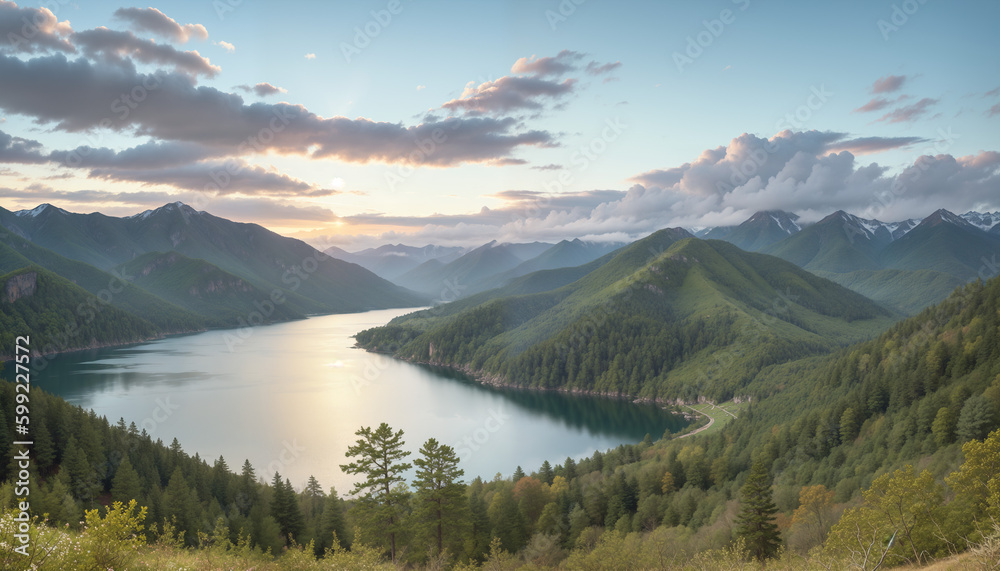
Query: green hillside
point(904, 291)
point(667, 317)
point(221, 298)
point(311, 281)
point(60, 316)
point(17, 253)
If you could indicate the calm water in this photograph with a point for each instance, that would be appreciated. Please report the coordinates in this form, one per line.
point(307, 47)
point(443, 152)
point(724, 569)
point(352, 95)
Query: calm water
point(290, 397)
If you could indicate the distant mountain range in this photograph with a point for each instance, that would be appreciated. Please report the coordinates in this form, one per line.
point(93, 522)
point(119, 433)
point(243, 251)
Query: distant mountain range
point(178, 269)
point(905, 265)
point(445, 273)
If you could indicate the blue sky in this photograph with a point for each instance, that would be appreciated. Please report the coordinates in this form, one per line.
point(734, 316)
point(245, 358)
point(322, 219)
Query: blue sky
point(586, 149)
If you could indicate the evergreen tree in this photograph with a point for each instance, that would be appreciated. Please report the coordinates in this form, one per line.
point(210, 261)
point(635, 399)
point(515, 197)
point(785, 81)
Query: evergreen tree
point(755, 521)
point(333, 522)
point(975, 419)
point(518, 474)
point(220, 481)
point(440, 492)
point(545, 474)
point(379, 456)
point(126, 485)
point(180, 505)
point(82, 479)
point(285, 509)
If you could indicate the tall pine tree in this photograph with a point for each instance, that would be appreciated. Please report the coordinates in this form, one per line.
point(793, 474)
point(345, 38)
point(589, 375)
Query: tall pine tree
point(378, 457)
point(755, 523)
point(440, 494)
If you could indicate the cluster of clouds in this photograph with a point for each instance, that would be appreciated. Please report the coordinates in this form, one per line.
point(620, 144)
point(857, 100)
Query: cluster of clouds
point(103, 79)
point(812, 173)
point(535, 83)
point(200, 139)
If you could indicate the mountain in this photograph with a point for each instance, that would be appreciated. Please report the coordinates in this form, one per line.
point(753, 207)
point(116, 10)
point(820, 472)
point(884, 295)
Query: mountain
point(473, 272)
point(221, 298)
point(60, 316)
point(839, 243)
point(393, 260)
point(904, 265)
point(986, 221)
point(946, 243)
point(759, 231)
point(311, 281)
point(17, 253)
point(670, 316)
point(565, 254)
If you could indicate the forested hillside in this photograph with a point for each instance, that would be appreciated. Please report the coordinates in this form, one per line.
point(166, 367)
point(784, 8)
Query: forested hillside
point(895, 437)
point(667, 317)
point(61, 316)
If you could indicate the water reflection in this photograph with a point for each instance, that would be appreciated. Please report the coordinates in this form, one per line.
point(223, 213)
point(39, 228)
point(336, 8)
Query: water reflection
point(302, 386)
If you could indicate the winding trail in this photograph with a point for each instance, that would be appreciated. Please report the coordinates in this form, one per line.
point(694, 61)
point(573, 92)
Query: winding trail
point(711, 421)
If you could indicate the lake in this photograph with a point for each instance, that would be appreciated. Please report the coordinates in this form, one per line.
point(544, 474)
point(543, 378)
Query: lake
point(290, 396)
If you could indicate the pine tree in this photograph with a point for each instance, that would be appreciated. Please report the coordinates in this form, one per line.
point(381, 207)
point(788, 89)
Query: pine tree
point(755, 523)
point(126, 485)
point(180, 505)
point(379, 456)
point(545, 474)
point(333, 522)
point(440, 493)
point(285, 508)
point(82, 479)
point(220, 481)
point(246, 489)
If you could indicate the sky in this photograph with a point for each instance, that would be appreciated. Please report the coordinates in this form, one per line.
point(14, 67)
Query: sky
point(361, 123)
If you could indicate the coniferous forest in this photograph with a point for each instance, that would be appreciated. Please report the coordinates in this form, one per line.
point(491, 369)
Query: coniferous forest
point(889, 456)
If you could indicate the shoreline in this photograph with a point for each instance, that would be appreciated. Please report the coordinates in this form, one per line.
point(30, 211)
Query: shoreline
point(496, 381)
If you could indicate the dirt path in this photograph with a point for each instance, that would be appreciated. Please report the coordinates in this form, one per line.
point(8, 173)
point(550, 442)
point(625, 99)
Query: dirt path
point(711, 421)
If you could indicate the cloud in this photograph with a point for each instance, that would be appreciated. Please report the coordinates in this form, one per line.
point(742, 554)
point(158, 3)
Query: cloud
point(19, 150)
point(155, 22)
point(262, 89)
point(868, 145)
point(149, 155)
point(548, 167)
point(908, 113)
point(223, 177)
point(888, 84)
point(995, 110)
point(226, 46)
point(595, 68)
point(510, 93)
point(32, 30)
point(421, 87)
point(80, 95)
point(115, 47)
point(554, 66)
point(310, 56)
point(810, 173)
point(876, 104)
